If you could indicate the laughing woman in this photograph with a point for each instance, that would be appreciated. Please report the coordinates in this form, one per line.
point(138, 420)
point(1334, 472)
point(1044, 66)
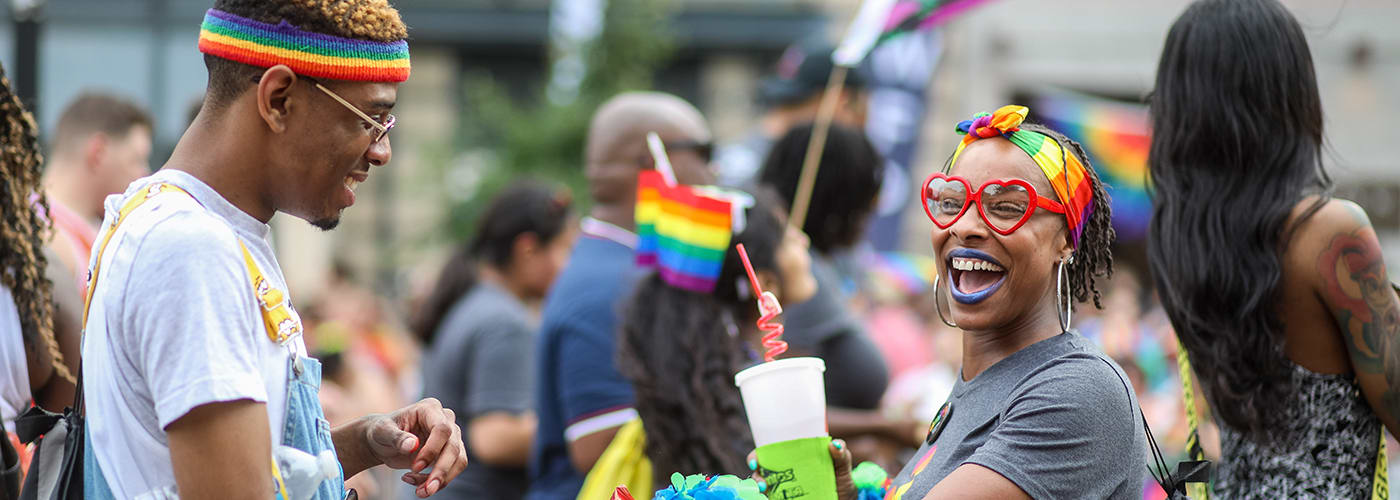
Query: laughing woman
point(1021, 231)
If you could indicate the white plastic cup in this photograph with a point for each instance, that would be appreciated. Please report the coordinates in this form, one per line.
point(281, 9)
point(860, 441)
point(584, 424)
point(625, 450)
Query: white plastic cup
point(785, 399)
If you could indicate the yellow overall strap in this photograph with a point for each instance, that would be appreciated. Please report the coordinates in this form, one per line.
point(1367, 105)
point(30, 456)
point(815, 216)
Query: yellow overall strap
point(130, 206)
point(1380, 484)
point(276, 313)
point(277, 320)
point(1193, 438)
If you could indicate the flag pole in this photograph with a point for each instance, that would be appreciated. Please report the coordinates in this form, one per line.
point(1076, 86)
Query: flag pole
point(826, 112)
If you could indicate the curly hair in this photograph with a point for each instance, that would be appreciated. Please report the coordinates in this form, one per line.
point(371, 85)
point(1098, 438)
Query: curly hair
point(680, 355)
point(23, 227)
point(843, 197)
point(1237, 144)
point(373, 20)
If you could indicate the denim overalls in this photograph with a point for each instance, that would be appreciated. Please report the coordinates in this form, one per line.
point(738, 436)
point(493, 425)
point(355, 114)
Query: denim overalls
point(304, 427)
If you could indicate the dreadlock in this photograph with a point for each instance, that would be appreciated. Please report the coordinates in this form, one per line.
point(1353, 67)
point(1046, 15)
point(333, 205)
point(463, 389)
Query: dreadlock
point(680, 350)
point(373, 20)
point(23, 228)
point(1094, 256)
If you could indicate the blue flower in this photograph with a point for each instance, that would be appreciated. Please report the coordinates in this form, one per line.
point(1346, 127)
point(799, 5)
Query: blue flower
point(699, 487)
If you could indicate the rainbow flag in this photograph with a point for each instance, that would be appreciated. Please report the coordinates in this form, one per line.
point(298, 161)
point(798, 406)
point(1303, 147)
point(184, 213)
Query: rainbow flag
point(917, 15)
point(683, 232)
point(1117, 137)
point(881, 20)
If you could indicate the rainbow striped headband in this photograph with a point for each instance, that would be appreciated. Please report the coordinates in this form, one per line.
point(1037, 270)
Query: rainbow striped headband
point(1062, 168)
point(684, 231)
point(317, 55)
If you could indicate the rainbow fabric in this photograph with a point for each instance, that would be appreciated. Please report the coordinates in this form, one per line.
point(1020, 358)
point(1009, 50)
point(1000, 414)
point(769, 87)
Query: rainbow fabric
point(1066, 174)
point(682, 231)
point(1117, 137)
point(908, 16)
point(307, 53)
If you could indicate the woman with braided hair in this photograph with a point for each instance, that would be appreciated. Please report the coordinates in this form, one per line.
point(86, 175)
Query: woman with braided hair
point(31, 364)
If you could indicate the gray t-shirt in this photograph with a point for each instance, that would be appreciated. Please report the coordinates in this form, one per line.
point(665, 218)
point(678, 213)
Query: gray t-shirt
point(482, 361)
point(1057, 418)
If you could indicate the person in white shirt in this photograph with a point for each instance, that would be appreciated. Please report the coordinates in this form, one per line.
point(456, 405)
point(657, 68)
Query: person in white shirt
point(195, 374)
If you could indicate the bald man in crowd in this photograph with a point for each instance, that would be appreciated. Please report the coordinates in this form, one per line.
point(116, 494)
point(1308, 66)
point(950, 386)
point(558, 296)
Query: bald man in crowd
point(582, 399)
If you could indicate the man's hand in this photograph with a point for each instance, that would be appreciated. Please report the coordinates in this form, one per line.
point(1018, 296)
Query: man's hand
point(394, 440)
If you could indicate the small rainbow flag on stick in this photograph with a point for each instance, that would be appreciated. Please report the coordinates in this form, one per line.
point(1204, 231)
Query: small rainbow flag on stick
point(917, 15)
point(881, 20)
point(683, 231)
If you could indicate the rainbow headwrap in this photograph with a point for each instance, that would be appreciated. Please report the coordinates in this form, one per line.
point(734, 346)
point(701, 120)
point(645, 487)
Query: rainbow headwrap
point(1062, 168)
point(684, 231)
point(317, 55)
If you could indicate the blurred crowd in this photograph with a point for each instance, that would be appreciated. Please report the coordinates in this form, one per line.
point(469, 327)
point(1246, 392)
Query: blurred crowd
point(489, 334)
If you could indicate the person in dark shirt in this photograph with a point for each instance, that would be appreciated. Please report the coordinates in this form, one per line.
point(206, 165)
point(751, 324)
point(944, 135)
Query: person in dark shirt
point(843, 199)
point(580, 397)
point(481, 335)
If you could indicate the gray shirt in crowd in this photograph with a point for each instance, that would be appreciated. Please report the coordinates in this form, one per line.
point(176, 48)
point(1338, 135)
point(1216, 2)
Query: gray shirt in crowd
point(823, 326)
point(482, 361)
point(1058, 418)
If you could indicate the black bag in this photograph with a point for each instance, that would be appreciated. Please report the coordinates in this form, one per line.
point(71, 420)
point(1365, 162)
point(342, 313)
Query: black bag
point(56, 472)
point(9, 468)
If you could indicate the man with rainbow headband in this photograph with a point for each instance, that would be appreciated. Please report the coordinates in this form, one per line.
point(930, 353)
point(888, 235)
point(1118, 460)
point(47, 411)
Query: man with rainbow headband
point(197, 380)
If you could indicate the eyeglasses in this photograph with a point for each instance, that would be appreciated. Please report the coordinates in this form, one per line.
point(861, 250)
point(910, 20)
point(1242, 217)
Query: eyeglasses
point(370, 123)
point(1004, 205)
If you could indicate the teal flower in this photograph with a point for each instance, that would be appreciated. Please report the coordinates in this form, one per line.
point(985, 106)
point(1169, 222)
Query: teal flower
point(699, 487)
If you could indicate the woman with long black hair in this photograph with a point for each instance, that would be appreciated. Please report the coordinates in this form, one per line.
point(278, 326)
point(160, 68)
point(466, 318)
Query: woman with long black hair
point(481, 335)
point(1277, 291)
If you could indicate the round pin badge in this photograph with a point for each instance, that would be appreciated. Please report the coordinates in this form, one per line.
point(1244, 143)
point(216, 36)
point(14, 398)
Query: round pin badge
point(940, 421)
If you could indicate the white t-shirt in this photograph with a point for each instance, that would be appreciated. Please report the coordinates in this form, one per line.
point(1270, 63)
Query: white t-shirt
point(14, 368)
point(174, 325)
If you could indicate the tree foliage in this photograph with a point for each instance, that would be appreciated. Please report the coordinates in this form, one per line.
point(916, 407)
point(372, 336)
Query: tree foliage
point(503, 139)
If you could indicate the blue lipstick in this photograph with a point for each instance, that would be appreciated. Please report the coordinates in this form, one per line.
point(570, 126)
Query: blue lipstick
point(980, 295)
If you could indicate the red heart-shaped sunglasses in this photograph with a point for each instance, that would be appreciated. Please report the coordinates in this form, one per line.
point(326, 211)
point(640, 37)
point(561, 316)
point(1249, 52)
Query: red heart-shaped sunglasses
point(1003, 204)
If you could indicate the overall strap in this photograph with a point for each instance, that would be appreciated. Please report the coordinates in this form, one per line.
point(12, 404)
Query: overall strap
point(275, 306)
point(130, 206)
point(276, 314)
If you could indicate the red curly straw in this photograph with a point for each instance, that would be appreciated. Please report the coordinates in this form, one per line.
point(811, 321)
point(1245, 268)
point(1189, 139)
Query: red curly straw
point(769, 308)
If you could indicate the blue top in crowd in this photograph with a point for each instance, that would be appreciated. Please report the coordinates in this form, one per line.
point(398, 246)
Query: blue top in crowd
point(578, 387)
